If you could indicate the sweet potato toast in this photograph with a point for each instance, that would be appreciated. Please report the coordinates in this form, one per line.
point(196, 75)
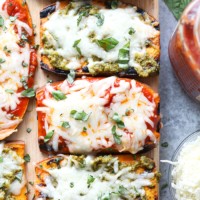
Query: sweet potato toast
point(99, 38)
point(102, 177)
point(12, 163)
point(18, 61)
point(97, 115)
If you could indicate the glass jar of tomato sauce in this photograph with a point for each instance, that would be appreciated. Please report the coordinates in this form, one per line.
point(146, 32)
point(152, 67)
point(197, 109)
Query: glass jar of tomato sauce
point(184, 50)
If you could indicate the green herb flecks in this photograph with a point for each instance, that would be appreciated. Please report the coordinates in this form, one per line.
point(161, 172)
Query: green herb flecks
point(48, 136)
point(27, 158)
point(10, 91)
point(65, 124)
point(58, 95)
point(71, 76)
point(100, 19)
point(90, 180)
point(1, 21)
point(80, 115)
point(75, 45)
point(117, 119)
point(117, 138)
point(30, 92)
point(123, 56)
point(107, 44)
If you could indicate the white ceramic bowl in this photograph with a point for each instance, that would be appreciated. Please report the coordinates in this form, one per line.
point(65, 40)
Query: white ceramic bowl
point(190, 138)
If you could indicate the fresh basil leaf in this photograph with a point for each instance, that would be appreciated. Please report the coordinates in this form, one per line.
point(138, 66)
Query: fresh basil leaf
point(177, 6)
point(27, 158)
point(80, 115)
point(24, 38)
point(123, 56)
point(12, 18)
point(100, 19)
point(24, 64)
point(28, 130)
point(58, 95)
point(114, 4)
point(117, 137)
point(83, 11)
point(1, 159)
point(9, 91)
point(131, 31)
point(65, 124)
point(48, 136)
point(84, 129)
point(31, 183)
point(1, 21)
point(71, 76)
point(107, 44)
point(2, 60)
point(28, 93)
point(90, 180)
point(119, 122)
point(75, 45)
point(71, 185)
point(121, 190)
point(19, 175)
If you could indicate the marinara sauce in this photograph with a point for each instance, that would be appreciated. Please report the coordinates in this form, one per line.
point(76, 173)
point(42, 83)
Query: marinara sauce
point(184, 50)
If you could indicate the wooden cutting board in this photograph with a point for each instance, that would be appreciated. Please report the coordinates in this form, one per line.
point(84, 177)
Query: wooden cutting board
point(41, 77)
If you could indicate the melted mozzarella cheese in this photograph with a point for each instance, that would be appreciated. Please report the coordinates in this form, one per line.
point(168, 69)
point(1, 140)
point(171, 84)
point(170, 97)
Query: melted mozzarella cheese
point(11, 163)
point(186, 176)
point(11, 70)
point(62, 31)
point(92, 98)
point(72, 182)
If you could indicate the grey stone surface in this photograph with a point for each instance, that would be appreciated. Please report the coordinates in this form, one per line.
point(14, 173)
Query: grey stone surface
point(181, 115)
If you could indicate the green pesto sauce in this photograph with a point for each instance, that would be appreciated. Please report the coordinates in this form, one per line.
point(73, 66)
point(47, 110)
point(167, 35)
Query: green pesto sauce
point(148, 65)
point(7, 177)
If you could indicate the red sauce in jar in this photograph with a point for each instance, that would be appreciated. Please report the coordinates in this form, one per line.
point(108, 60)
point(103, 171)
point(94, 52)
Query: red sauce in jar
point(184, 50)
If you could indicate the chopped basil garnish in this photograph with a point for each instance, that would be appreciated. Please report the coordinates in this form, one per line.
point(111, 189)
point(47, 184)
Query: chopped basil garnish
point(114, 4)
point(31, 183)
point(23, 37)
point(84, 11)
point(123, 56)
point(36, 47)
point(164, 144)
point(75, 45)
point(48, 136)
point(49, 81)
point(71, 185)
point(28, 130)
point(84, 129)
point(71, 76)
point(30, 92)
point(100, 19)
point(24, 64)
point(24, 83)
point(27, 158)
point(1, 159)
point(117, 137)
point(117, 119)
point(121, 190)
point(2, 60)
point(19, 175)
point(65, 124)
point(107, 44)
point(1, 21)
point(131, 31)
point(5, 48)
point(80, 115)
point(128, 111)
point(90, 180)
point(58, 95)
point(9, 91)
point(12, 18)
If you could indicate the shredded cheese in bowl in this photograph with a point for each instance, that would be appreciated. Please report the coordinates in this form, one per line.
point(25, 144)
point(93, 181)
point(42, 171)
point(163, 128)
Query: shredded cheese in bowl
point(185, 173)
